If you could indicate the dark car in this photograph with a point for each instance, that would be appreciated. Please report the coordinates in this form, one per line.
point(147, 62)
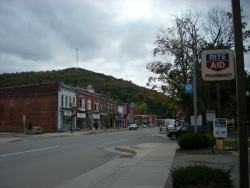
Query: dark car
point(174, 134)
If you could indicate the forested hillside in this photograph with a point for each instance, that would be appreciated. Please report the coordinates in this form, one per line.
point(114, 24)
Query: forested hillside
point(118, 89)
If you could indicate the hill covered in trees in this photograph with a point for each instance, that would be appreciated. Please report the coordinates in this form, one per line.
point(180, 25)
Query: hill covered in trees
point(146, 100)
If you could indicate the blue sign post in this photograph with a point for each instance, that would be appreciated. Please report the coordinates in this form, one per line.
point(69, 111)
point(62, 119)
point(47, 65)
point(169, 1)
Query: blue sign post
point(188, 88)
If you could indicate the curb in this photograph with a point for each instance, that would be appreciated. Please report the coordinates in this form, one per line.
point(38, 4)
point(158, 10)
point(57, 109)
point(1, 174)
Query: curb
point(126, 150)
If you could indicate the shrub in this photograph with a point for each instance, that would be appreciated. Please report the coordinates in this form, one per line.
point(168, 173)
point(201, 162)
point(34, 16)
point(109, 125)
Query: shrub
point(201, 176)
point(194, 141)
point(29, 127)
point(41, 130)
point(212, 139)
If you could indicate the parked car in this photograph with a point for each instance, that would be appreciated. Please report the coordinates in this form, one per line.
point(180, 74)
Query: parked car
point(144, 126)
point(171, 127)
point(174, 134)
point(133, 127)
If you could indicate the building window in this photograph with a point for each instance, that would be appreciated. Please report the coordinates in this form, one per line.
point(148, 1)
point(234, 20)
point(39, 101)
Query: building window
point(62, 97)
point(109, 108)
point(74, 101)
point(66, 101)
point(81, 103)
point(96, 106)
point(89, 104)
point(70, 102)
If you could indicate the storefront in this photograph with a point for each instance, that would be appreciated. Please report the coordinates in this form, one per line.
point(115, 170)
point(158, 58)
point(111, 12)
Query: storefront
point(81, 120)
point(68, 121)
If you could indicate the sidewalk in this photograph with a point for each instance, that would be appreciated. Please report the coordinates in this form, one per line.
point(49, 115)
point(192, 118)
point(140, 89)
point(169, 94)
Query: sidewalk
point(143, 165)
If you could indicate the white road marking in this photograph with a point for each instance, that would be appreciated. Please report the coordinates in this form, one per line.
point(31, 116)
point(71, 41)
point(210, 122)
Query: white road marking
point(28, 151)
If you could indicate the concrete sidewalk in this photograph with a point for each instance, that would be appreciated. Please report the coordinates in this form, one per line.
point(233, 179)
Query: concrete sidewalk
point(144, 165)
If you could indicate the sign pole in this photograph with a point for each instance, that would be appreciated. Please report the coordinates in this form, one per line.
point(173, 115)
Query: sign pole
point(194, 94)
point(213, 123)
point(211, 117)
point(24, 119)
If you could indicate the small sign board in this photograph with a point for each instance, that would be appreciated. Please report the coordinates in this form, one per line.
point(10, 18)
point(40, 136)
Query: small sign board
point(220, 128)
point(211, 115)
point(217, 65)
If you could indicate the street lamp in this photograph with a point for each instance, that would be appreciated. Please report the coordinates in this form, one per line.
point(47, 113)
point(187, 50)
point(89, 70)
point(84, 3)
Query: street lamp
point(71, 105)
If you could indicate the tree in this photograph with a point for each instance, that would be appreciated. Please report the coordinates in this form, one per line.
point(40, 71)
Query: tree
point(141, 108)
point(184, 42)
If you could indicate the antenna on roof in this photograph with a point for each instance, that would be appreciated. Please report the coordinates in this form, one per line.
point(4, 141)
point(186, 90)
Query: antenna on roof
point(76, 58)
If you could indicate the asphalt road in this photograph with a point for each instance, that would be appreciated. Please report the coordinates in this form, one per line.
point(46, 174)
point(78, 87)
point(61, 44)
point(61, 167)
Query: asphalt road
point(51, 161)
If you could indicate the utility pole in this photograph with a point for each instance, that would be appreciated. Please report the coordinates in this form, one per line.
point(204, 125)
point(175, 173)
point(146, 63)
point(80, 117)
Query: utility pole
point(241, 95)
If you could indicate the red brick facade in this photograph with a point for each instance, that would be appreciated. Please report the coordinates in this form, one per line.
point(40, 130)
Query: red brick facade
point(38, 103)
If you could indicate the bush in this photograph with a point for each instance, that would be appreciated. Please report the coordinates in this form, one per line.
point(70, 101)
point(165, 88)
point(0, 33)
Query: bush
point(212, 140)
point(29, 127)
point(41, 130)
point(194, 141)
point(201, 176)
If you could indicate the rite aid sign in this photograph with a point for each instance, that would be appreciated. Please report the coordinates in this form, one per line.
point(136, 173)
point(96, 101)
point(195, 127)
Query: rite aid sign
point(217, 65)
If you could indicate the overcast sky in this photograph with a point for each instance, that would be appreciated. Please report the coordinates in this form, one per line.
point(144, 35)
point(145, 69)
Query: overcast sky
point(113, 37)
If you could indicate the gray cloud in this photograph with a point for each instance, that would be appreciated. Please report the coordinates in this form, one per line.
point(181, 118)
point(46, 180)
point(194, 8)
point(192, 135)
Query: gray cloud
point(113, 37)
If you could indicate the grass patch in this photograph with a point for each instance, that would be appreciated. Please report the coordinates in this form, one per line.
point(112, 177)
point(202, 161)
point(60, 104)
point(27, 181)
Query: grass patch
point(234, 145)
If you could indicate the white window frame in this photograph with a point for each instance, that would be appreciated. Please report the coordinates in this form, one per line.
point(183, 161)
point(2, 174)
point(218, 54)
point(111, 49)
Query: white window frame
point(96, 106)
point(89, 104)
point(82, 102)
point(66, 101)
point(62, 100)
point(70, 102)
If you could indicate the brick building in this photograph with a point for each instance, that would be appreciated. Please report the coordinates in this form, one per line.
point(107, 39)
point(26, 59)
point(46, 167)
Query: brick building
point(126, 112)
point(36, 103)
point(55, 106)
point(95, 110)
